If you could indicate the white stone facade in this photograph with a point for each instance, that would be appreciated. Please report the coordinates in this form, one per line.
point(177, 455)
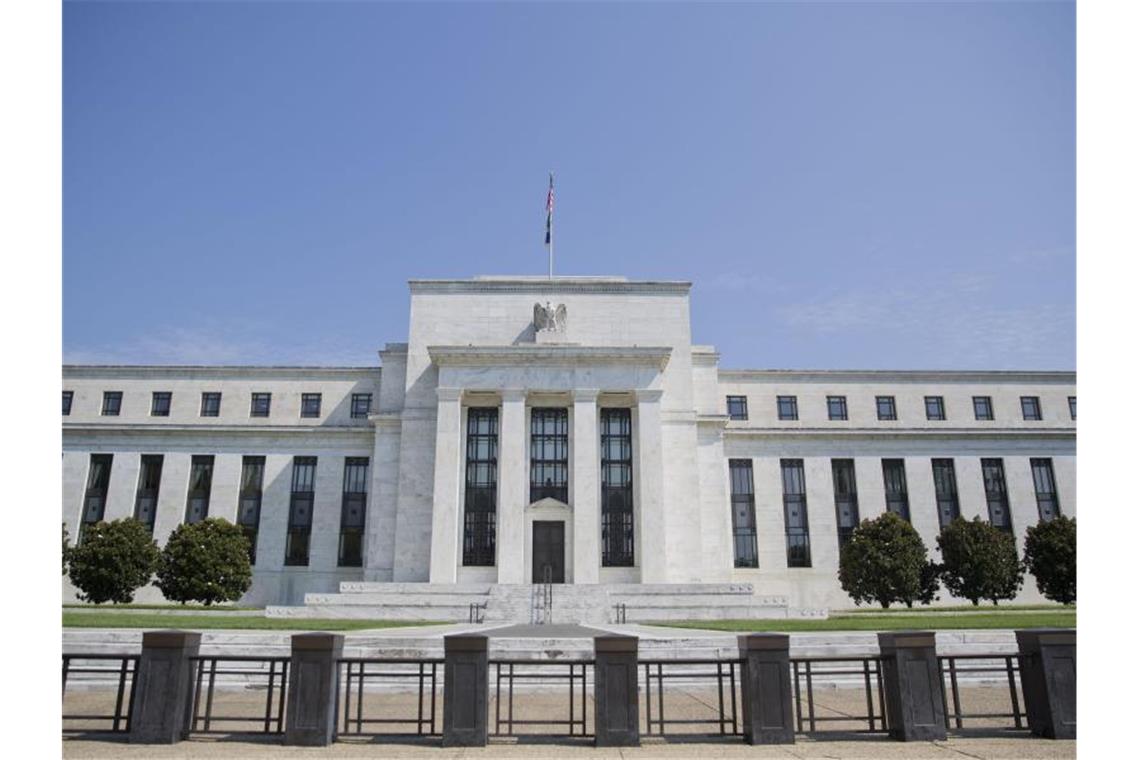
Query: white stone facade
point(623, 344)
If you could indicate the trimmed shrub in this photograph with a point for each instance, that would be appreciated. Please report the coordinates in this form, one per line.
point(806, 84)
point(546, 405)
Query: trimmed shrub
point(979, 561)
point(112, 560)
point(885, 561)
point(1051, 556)
point(205, 562)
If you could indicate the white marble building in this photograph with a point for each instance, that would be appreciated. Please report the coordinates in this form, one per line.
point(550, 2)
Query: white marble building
point(568, 426)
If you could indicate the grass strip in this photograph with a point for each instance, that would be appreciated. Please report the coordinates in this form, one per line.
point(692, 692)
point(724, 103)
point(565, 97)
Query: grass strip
point(225, 622)
point(888, 622)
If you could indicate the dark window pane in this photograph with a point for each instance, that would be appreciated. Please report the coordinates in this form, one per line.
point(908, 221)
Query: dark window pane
point(885, 405)
point(112, 403)
point(945, 490)
point(310, 405)
point(846, 498)
point(259, 404)
point(935, 410)
point(743, 513)
point(198, 495)
point(95, 496)
point(480, 493)
point(737, 407)
point(352, 512)
point(146, 497)
point(211, 404)
point(997, 498)
point(160, 404)
point(795, 513)
point(361, 405)
point(1046, 487)
point(549, 453)
point(894, 484)
point(787, 408)
point(249, 500)
point(1072, 407)
point(67, 395)
point(837, 407)
point(617, 488)
point(300, 511)
point(983, 408)
point(1030, 407)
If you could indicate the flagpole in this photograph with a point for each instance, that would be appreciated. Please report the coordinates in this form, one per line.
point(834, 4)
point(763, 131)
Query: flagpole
point(550, 245)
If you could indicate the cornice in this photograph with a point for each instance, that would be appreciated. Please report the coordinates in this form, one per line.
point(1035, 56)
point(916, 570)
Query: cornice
point(891, 375)
point(953, 433)
point(180, 430)
point(656, 356)
point(544, 285)
point(190, 372)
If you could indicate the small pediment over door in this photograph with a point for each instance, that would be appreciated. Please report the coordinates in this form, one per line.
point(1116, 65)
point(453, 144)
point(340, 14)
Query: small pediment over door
point(549, 503)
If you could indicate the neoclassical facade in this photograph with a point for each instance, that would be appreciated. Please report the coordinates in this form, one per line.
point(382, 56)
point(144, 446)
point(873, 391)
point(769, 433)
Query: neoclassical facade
point(563, 430)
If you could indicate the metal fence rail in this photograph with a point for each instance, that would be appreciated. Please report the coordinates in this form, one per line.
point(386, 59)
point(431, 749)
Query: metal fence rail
point(274, 671)
point(426, 674)
point(725, 675)
point(950, 669)
point(124, 673)
point(573, 672)
point(867, 669)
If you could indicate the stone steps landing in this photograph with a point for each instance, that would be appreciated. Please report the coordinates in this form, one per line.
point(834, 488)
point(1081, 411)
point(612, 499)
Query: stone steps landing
point(520, 603)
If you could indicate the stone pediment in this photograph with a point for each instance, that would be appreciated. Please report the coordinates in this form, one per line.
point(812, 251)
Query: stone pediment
point(549, 503)
point(650, 356)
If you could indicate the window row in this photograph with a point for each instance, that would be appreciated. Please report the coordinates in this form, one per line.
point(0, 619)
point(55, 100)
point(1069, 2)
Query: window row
point(301, 495)
point(259, 404)
point(787, 407)
point(796, 534)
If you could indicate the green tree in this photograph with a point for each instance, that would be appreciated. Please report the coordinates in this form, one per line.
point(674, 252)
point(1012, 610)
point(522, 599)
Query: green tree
point(979, 561)
point(1051, 555)
point(885, 561)
point(66, 548)
point(113, 559)
point(206, 562)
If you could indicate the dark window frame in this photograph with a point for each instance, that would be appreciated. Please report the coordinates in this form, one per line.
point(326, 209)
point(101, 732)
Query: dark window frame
point(1073, 408)
point(310, 405)
point(356, 412)
point(737, 407)
point(997, 494)
point(481, 481)
point(787, 408)
point(837, 408)
point(987, 404)
point(618, 536)
point(845, 485)
point(302, 502)
point(797, 538)
point(353, 512)
point(895, 492)
point(199, 487)
point(1045, 488)
point(160, 403)
point(95, 493)
point(1031, 408)
point(112, 404)
point(743, 503)
point(68, 398)
point(549, 454)
point(250, 493)
point(255, 399)
point(211, 404)
point(146, 492)
point(935, 408)
point(946, 499)
point(885, 408)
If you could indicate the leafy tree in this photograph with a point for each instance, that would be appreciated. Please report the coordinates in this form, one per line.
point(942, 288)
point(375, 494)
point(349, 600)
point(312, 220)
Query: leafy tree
point(885, 561)
point(66, 548)
point(113, 559)
point(1051, 555)
point(207, 562)
point(979, 561)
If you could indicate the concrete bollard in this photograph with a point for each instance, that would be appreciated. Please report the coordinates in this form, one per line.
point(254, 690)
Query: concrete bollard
point(1049, 681)
point(912, 683)
point(465, 691)
point(310, 715)
point(766, 689)
point(164, 687)
point(616, 722)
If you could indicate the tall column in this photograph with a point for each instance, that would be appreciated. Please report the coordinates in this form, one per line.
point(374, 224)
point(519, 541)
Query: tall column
point(445, 493)
point(513, 479)
point(650, 487)
point(587, 490)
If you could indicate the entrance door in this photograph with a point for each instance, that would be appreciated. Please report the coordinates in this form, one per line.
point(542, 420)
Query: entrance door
point(548, 549)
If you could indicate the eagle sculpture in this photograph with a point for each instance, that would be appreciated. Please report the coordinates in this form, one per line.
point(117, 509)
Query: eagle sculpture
point(549, 318)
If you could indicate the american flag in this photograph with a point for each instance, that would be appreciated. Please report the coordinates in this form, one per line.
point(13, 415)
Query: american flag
point(549, 207)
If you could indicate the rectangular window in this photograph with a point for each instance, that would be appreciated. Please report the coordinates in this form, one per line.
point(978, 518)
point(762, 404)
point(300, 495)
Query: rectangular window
point(894, 485)
point(743, 513)
point(481, 492)
point(95, 497)
point(361, 405)
point(352, 508)
point(160, 404)
point(112, 403)
point(836, 407)
point(737, 407)
point(1072, 407)
point(885, 405)
point(259, 404)
point(795, 513)
point(310, 405)
point(787, 408)
point(249, 501)
point(1030, 407)
point(549, 454)
point(300, 511)
point(617, 488)
point(146, 497)
point(945, 490)
point(67, 395)
point(1046, 487)
point(997, 499)
point(983, 408)
point(198, 495)
point(935, 409)
point(211, 403)
point(846, 498)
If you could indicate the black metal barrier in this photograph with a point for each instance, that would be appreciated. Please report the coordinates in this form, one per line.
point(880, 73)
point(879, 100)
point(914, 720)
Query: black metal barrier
point(395, 672)
point(867, 671)
point(1007, 665)
point(123, 672)
point(255, 672)
point(572, 672)
point(724, 673)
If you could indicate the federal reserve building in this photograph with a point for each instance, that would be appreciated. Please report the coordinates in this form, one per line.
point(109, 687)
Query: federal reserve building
point(560, 432)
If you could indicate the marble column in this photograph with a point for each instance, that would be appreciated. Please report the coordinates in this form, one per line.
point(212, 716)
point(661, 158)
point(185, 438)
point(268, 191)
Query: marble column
point(650, 487)
point(585, 470)
point(446, 506)
point(512, 488)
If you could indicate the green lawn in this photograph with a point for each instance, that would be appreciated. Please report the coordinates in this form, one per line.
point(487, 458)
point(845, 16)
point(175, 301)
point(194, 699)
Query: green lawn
point(1055, 618)
point(215, 622)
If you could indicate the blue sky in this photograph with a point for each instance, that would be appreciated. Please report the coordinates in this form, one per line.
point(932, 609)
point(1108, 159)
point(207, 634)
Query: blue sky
point(847, 186)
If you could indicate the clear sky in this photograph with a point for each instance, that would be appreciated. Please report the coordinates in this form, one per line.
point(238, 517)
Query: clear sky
point(847, 186)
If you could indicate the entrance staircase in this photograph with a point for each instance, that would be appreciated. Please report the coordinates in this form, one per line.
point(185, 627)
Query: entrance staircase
point(544, 603)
